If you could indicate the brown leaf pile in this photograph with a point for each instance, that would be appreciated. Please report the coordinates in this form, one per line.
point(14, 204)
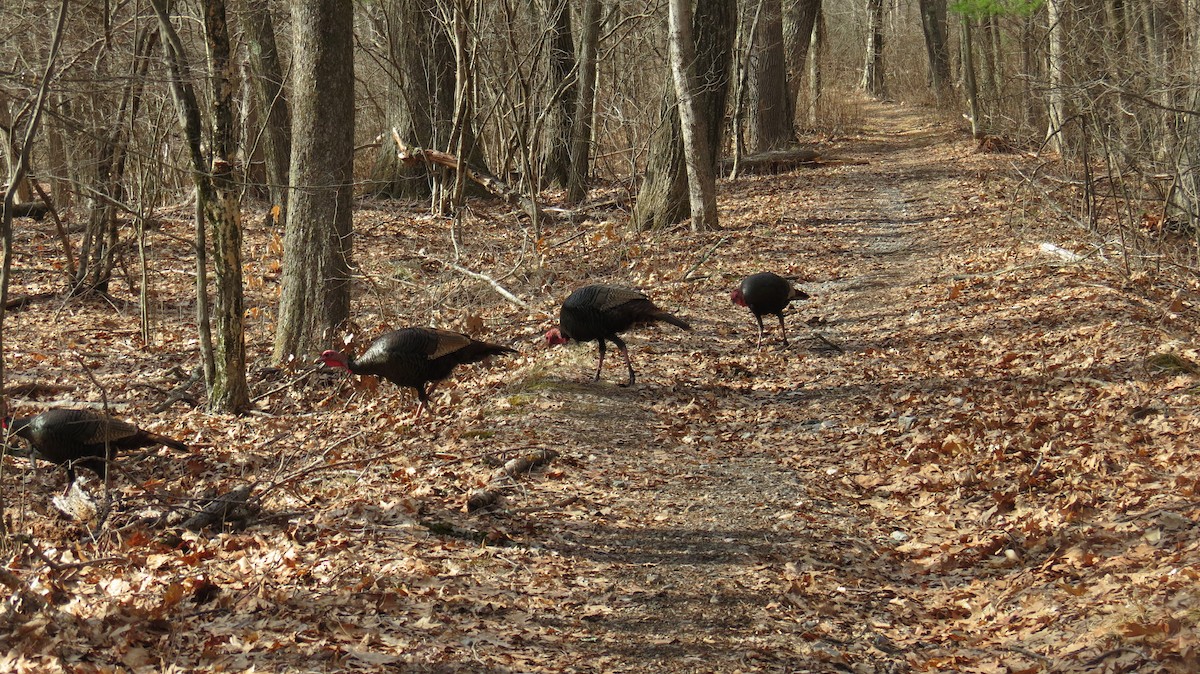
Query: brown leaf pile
point(976, 455)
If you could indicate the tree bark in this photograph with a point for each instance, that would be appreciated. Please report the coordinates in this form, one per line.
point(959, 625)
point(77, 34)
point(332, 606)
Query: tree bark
point(420, 97)
point(315, 293)
point(970, 90)
point(564, 80)
point(1056, 76)
point(271, 99)
point(872, 77)
point(581, 122)
point(663, 198)
point(229, 392)
point(937, 51)
point(218, 203)
point(771, 106)
point(799, 24)
point(697, 153)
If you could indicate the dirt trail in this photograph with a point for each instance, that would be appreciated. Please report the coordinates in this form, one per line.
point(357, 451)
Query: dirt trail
point(690, 565)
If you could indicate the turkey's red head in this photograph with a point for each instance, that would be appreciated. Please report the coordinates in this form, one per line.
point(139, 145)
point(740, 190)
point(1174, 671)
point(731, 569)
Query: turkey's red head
point(555, 337)
point(737, 297)
point(333, 359)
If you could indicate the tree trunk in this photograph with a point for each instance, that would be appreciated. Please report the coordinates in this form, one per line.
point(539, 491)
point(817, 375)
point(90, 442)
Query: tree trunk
point(969, 87)
point(16, 176)
point(815, 80)
point(697, 153)
point(1056, 76)
point(229, 392)
point(799, 20)
point(315, 293)
point(771, 106)
point(933, 25)
point(419, 103)
point(872, 77)
point(218, 203)
point(663, 198)
point(564, 80)
point(271, 100)
point(581, 122)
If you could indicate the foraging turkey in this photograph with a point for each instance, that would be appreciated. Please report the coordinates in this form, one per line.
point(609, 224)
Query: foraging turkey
point(414, 357)
point(598, 312)
point(73, 438)
point(767, 293)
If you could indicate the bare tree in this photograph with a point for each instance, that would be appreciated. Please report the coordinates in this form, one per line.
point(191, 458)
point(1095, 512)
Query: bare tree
point(315, 293)
point(418, 62)
point(18, 172)
point(581, 122)
point(663, 199)
point(271, 99)
point(697, 152)
point(872, 73)
point(218, 203)
point(933, 26)
point(564, 88)
point(771, 108)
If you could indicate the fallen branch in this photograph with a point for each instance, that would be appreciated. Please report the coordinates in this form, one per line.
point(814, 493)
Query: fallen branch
point(410, 155)
point(180, 392)
point(479, 499)
point(481, 276)
point(828, 344)
point(703, 258)
point(230, 507)
point(307, 373)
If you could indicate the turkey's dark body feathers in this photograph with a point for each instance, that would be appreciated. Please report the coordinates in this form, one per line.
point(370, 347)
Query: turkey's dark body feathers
point(77, 438)
point(765, 294)
point(413, 357)
point(598, 313)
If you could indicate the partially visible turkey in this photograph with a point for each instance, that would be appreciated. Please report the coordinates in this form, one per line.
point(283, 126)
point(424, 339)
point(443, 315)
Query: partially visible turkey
point(599, 312)
point(767, 293)
point(73, 438)
point(414, 357)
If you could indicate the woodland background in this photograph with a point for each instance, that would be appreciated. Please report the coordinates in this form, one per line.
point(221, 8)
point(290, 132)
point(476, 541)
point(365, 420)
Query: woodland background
point(202, 196)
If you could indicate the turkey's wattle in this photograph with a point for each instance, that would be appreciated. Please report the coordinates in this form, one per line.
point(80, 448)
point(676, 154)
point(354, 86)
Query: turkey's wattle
point(767, 293)
point(599, 312)
point(73, 438)
point(415, 357)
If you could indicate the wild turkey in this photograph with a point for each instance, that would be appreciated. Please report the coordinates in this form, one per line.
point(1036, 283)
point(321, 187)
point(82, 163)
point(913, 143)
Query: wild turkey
point(414, 357)
point(73, 438)
point(599, 312)
point(767, 293)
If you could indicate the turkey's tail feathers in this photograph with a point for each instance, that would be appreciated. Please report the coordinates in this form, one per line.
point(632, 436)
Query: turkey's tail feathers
point(169, 442)
point(477, 351)
point(797, 294)
point(670, 318)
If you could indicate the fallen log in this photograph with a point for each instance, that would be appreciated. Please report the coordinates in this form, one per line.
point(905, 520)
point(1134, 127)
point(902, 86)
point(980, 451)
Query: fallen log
point(410, 156)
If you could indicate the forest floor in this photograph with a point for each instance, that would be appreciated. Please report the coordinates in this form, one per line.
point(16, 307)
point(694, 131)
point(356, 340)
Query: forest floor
point(975, 455)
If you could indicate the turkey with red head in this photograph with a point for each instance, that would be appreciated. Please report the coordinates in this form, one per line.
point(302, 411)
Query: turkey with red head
point(767, 293)
point(416, 357)
point(597, 313)
point(73, 438)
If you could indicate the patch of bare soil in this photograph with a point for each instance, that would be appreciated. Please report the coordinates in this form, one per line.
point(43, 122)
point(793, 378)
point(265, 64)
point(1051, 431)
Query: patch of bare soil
point(973, 456)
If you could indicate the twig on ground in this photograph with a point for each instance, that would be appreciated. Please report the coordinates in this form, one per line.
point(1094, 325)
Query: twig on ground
point(481, 276)
point(703, 258)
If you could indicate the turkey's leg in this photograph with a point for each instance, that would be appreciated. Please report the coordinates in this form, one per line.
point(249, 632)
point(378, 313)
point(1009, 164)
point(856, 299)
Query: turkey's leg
point(760, 329)
point(625, 353)
point(601, 363)
point(782, 330)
